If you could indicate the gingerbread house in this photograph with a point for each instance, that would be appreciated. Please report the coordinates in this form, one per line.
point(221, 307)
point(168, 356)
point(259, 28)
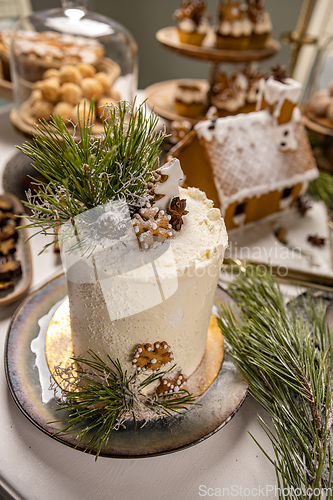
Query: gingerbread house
point(251, 165)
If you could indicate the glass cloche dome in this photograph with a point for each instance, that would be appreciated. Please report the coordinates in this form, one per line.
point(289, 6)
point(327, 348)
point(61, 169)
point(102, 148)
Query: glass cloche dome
point(318, 95)
point(63, 58)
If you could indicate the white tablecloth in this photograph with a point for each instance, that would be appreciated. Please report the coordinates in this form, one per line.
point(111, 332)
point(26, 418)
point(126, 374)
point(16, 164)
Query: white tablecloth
point(33, 466)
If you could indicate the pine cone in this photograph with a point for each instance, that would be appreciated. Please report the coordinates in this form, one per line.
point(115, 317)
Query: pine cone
point(110, 226)
point(177, 211)
point(279, 73)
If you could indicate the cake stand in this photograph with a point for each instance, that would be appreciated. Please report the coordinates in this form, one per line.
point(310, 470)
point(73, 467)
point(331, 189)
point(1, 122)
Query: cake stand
point(28, 378)
point(168, 38)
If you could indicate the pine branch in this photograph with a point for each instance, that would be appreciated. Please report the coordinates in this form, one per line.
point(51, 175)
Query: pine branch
point(92, 170)
point(321, 189)
point(289, 371)
point(102, 397)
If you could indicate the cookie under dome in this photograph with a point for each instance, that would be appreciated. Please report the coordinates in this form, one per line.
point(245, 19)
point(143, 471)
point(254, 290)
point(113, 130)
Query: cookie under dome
point(45, 41)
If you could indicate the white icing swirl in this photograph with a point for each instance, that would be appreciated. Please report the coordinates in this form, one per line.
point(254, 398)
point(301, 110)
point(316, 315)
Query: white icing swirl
point(190, 95)
point(187, 25)
point(241, 27)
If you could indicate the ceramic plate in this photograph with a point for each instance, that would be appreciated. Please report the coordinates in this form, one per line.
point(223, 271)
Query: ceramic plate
point(29, 387)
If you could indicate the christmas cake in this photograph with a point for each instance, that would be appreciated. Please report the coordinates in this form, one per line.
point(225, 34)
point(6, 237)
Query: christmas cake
point(256, 164)
point(237, 92)
point(166, 300)
point(242, 26)
point(142, 255)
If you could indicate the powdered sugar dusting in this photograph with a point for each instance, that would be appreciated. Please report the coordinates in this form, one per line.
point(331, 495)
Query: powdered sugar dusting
point(247, 159)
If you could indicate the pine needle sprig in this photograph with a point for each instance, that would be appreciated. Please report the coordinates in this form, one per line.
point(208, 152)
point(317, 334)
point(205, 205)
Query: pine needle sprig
point(288, 366)
point(101, 397)
point(83, 171)
point(321, 189)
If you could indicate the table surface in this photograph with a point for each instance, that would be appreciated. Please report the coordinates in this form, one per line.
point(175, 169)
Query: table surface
point(33, 466)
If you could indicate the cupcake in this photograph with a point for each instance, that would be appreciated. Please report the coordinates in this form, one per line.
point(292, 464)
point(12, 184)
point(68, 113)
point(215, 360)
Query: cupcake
point(234, 28)
point(192, 22)
point(228, 93)
point(190, 100)
point(262, 25)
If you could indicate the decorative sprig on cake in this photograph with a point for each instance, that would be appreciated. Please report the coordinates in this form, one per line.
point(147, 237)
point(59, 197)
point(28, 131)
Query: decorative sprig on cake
point(102, 396)
point(82, 173)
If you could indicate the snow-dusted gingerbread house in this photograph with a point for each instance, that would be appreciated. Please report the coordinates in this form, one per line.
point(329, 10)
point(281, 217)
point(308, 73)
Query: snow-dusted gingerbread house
point(251, 165)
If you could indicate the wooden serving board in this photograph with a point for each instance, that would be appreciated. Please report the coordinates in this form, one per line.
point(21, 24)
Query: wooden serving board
point(168, 37)
point(319, 125)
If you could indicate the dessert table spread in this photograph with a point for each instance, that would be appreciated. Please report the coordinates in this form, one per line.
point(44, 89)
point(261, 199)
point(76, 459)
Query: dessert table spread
point(34, 466)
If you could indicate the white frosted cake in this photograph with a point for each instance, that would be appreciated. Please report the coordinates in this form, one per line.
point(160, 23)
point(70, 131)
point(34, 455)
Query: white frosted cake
point(142, 258)
point(165, 298)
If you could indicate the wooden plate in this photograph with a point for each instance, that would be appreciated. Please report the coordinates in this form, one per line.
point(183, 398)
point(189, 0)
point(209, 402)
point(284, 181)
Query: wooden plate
point(168, 37)
point(24, 122)
point(22, 254)
point(161, 97)
point(320, 125)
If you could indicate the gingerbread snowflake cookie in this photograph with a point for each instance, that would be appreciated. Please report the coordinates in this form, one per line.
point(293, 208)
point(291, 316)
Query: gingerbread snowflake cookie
point(172, 383)
point(148, 356)
point(151, 222)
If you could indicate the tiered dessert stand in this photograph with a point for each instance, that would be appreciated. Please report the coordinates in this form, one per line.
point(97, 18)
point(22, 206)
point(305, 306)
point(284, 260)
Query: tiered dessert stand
point(161, 95)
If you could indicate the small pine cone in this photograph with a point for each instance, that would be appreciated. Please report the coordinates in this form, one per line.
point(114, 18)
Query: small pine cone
point(110, 227)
